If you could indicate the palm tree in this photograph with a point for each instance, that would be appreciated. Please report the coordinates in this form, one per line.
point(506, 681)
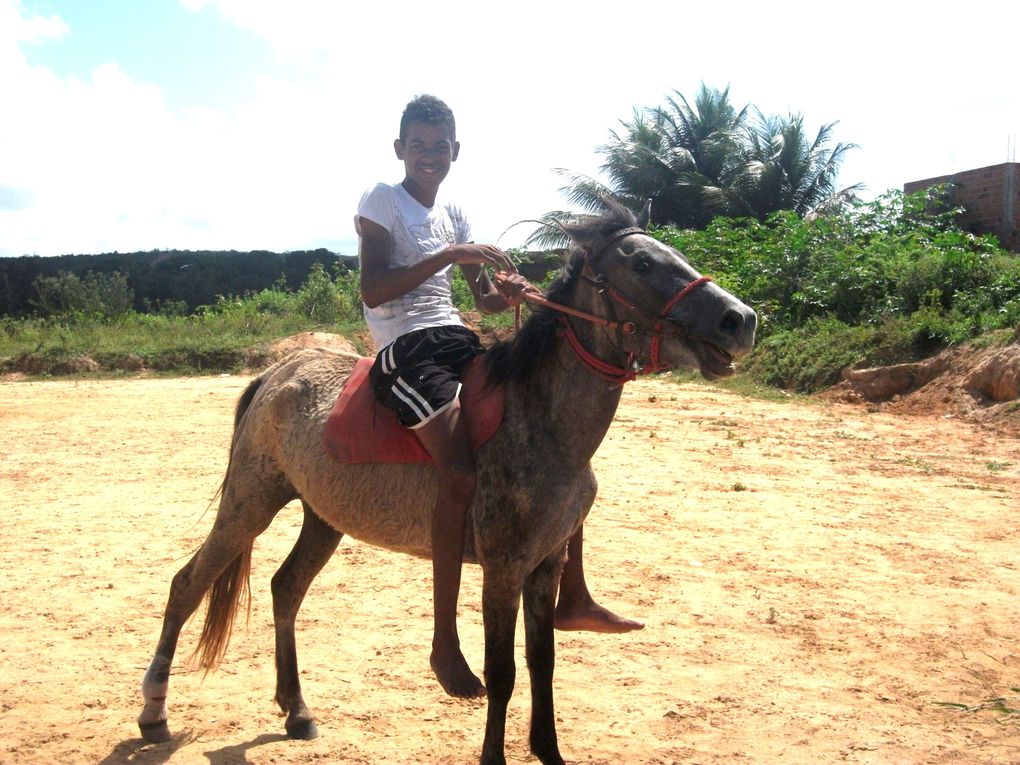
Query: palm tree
point(701, 162)
point(682, 158)
point(784, 170)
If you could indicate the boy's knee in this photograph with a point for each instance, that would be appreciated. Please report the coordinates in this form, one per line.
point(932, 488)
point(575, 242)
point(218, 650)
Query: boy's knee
point(460, 482)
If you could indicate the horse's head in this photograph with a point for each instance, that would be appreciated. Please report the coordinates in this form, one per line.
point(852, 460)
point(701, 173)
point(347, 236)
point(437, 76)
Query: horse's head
point(666, 314)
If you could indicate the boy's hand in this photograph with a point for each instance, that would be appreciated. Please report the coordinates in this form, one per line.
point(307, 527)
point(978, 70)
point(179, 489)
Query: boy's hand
point(513, 287)
point(483, 255)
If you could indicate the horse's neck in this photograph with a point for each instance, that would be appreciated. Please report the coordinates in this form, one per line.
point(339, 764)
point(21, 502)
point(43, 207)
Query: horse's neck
point(571, 406)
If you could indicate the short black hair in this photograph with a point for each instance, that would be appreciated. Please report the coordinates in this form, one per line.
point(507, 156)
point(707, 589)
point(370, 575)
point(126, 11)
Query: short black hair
point(429, 110)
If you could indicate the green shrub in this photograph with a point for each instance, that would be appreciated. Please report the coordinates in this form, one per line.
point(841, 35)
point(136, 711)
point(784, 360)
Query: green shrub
point(886, 281)
point(103, 296)
point(809, 357)
point(812, 356)
point(885, 257)
point(317, 299)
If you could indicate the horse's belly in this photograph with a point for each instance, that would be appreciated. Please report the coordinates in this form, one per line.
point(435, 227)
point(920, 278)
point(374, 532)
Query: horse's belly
point(387, 506)
point(390, 505)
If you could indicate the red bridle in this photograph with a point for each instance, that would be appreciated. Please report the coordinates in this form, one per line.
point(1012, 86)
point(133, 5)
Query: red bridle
point(603, 369)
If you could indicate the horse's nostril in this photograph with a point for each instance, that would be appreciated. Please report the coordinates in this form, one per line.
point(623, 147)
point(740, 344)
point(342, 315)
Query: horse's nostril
point(732, 322)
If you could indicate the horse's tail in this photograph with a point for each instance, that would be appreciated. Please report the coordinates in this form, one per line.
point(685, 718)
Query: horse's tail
point(233, 584)
point(245, 401)
point(224, 599)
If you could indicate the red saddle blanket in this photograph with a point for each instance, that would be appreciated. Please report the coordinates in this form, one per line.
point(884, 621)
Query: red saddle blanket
point(360, 430)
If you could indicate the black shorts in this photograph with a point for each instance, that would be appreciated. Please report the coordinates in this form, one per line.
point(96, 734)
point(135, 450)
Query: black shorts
point(418, 374)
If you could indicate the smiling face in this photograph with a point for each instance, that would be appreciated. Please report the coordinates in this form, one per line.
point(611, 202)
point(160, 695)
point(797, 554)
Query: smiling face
point(427, 151)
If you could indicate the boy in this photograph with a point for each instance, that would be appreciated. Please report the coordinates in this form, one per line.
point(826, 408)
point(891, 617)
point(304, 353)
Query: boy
point(410, 237)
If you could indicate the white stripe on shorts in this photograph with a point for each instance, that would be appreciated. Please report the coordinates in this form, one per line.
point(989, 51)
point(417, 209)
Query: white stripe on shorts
point(413, 399)
point(387, 359)
point(440, 410)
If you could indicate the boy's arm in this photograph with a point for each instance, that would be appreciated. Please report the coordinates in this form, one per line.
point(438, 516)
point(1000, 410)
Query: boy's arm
point(381, 281)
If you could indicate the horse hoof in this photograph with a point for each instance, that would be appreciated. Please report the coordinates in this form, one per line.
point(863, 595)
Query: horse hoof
point(303, 729)
point(155, 732)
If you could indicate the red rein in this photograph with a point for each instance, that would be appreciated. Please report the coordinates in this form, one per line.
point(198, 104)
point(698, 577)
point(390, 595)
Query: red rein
point(611, 372)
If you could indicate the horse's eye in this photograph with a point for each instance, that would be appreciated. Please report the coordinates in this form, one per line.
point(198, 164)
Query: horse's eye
point(642, 265)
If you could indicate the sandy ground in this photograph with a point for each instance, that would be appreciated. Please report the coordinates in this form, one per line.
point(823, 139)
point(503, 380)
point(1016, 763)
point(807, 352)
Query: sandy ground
point(821, 584)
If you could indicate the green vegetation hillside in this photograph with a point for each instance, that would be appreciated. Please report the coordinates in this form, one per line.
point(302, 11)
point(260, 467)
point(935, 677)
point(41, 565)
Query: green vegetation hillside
point(885, 282)
point(880, 283)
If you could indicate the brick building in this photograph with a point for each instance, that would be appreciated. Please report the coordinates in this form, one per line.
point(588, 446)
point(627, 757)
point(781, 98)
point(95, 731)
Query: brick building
point(990, 198)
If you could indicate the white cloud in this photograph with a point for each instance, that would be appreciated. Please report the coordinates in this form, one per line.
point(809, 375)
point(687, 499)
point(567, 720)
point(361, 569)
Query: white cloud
point(103, 161)
point(294, 29)
point(34, 28)
point(110, 167)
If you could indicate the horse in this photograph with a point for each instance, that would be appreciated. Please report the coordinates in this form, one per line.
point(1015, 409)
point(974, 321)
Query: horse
point(624, 303)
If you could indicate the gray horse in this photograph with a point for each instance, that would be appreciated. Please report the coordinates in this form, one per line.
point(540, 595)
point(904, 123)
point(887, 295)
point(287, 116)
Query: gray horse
point(624, 303)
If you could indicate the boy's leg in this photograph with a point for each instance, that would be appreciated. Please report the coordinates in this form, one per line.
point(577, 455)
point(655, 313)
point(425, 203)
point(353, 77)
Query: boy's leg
point(576, 609)
point(446, 440)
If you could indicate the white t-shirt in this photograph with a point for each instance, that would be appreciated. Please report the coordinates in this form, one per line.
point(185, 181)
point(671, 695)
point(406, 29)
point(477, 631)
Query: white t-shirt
point(417, 232)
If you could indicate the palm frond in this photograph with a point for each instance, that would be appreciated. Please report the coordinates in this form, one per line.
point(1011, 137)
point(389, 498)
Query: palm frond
point(550, 235)
point(702, 157)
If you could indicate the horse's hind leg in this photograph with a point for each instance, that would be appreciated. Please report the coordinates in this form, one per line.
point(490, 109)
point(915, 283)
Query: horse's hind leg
point(315, 545)
point(222, 559)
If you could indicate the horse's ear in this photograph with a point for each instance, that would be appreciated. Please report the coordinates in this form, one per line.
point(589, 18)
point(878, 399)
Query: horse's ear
point(645, 215)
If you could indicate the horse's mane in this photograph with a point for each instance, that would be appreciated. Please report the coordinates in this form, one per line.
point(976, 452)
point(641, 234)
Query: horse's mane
point(519, 358)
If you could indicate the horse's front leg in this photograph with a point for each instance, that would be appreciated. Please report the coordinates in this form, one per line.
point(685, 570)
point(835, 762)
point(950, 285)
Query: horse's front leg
point(501, 595)
point(539, 606)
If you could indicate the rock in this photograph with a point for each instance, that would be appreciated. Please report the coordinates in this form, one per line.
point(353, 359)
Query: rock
point(997, 377)
point(980, 384)
point(882, 383)
point(31, 364)
point(131, 363)
point(75, 365)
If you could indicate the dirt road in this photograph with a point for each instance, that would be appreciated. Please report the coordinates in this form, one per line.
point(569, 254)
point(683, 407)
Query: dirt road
point(821, 584)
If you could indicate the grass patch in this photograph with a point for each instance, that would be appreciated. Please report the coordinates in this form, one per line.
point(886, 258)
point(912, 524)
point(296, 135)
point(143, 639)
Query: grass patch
point(1005, 710)
point(203, 343)
point(925, 467)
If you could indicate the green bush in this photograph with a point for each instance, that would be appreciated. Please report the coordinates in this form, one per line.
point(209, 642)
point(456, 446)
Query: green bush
point(812, 356)
point(103, 296)
point(886, 281)
point(885, 257)
point(318, 299)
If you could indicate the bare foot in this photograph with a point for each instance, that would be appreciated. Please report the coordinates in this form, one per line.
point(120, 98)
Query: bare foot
point(591, 617)
point(454, 675)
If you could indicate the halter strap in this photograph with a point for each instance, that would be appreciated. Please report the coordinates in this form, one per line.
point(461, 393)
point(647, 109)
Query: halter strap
point(621, 234)
point(655, 360)
point(603, 369)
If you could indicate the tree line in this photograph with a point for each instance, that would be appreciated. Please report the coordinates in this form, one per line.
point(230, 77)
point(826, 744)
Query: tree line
point(879, 283)
point(175, 281)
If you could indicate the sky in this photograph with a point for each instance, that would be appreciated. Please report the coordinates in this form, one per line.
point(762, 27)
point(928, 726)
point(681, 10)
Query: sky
point(136, 125)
